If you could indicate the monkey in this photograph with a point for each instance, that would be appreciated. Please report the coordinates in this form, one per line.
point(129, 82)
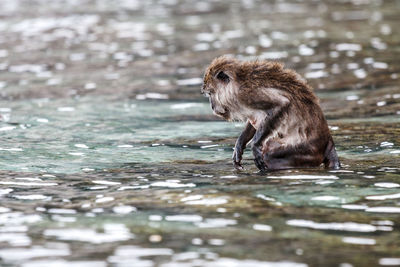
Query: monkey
point(282, 114)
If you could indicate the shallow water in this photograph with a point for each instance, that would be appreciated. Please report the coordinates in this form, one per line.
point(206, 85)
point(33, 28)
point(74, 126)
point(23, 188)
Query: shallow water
point(109, 156)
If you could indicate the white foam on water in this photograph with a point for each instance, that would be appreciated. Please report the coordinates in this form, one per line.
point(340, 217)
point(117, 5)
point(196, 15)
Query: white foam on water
point(112, 233)
point(274, 55)
point(11, 149)
point(380, 65)
point(190, 82)
point(346, 226)
point(325, 198)
point(16, 218)
point(185, 105)
point(155, 217)
point(383, 222)
point(317, 65)
point(81, 146)
point(224, 262)
point(324, 182)
point(13, 229)
point(205, 37)
point(99, 187)
point(229, 177)
point(348, 47)
point(7, 128)
point(125, 146)
point(66, 109)
point(28, 178)
point(381, 103)
point(105, 182)
point(305, 50)
point(122, 188)
point(184, 218)
point(265, 197)
point(104, 199)
point(354, 207)
point(42, 120)
point(216, 242)
point(123, 209)
point(262, 227)
point(32, 197)
point(171, 184)
point(20, 254)
point(76, 154)
point(389, 261)
point(201, 47)
point(64, 263)
point(209, 146)
point(61, 211)
point(15, 239)
point(28, 183)
point(360, 73)
point(131, 255)
point(316, 74)
point(151, 96)
point(190, 198)
point(387, 185)
point(216, 223)
point(264, 41)
point(232, 34)
point(5, 191)
point(63, 219)
point(358, 240)
point(208, 201)
point(304, 177)
point(384, 209)
point(383, 197)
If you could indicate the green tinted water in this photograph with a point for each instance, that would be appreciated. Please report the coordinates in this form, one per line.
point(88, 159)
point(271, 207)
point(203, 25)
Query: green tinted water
point(109, 156)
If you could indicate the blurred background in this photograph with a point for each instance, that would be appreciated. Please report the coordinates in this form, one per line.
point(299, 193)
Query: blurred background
point(109, 155)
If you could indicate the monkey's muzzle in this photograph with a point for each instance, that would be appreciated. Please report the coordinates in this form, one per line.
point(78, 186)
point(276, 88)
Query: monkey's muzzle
point(224, 113)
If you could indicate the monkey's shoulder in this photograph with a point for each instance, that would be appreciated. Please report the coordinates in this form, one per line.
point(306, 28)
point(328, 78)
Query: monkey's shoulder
point(263, 97)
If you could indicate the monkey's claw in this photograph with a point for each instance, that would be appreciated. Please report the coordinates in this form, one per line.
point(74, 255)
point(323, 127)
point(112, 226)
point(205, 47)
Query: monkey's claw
point(258, 159)
point(260, 164)
point(238, 166)
point(237, 158)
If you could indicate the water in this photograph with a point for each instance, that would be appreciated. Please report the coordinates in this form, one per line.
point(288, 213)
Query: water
point(109, 156)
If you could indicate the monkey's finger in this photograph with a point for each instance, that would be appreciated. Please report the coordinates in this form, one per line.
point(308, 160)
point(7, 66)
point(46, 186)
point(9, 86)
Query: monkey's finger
point(260, 163)
point(238, 166)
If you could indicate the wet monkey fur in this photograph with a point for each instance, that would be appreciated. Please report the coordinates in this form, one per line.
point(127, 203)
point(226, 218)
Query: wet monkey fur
point(283, 118)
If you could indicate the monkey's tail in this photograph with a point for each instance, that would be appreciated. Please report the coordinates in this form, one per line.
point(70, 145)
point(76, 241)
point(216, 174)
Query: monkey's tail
point(331, 159)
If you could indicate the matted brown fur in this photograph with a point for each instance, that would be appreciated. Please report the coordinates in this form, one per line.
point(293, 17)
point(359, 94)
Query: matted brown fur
point(289, 127)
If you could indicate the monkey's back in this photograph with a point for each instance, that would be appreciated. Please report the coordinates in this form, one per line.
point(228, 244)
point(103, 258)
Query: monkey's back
point(300, 136)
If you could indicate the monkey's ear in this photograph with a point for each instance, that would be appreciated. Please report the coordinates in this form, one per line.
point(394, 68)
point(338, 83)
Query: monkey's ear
point(223, 77)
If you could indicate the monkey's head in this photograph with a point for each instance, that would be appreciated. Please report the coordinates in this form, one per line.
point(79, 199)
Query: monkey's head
point(219, 85)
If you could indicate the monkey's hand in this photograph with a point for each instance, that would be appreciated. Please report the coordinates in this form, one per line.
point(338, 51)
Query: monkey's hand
point(259, 159)
point(240, 145)
point(237, 158)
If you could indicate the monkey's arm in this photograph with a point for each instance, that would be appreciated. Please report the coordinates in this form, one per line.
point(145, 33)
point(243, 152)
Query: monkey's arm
point(276, 105)
point(241, 143)
point(266, 128)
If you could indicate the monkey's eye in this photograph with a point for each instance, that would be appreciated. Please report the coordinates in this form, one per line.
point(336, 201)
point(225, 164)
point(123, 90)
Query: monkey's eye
point(223, 77)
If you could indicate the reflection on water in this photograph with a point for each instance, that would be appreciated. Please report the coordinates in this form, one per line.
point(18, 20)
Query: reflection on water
point(110, 156)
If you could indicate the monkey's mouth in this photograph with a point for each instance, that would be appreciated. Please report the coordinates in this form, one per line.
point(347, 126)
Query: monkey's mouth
point(224, 114)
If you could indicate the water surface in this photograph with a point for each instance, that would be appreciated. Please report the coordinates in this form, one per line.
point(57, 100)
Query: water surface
point(109, 156)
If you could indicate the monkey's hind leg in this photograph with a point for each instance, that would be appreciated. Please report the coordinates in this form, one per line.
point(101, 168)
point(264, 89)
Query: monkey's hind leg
point(291, 157)
point(331, 159)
